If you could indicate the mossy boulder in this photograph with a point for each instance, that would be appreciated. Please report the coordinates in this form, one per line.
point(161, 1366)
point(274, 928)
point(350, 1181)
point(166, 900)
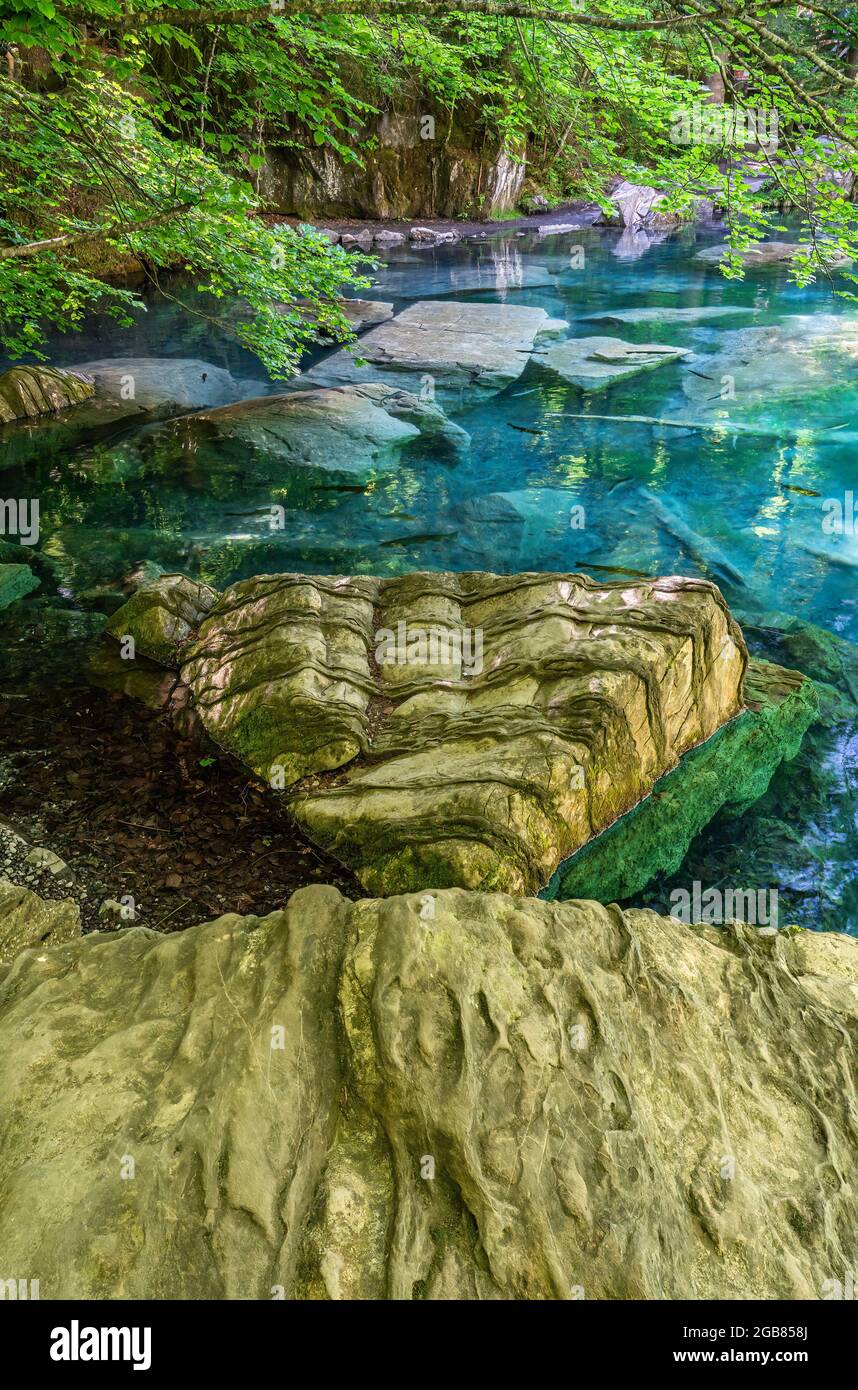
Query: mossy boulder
point(30, 921)
point(161, 616)
point(15, 581)
point(37, 390)
point(439, 1096)
point(547, 707)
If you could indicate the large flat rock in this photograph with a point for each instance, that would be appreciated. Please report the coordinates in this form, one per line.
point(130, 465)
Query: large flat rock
point(440, 1096)
point(765, 374)
point(597, 363)
point(459, 353)
point(545, 707)
point(355, 430)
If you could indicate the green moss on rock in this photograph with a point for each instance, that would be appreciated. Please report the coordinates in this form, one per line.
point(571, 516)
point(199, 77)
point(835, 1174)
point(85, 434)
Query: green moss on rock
point(15, 581)
point(733, 769)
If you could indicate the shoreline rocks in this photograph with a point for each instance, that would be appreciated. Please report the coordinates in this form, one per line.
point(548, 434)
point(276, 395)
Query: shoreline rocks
point(449, 1096)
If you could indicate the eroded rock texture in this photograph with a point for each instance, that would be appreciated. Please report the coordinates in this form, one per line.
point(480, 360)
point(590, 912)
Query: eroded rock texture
point(38, 390)
point(485, 726)
point(439, 1096)
point(28, 920)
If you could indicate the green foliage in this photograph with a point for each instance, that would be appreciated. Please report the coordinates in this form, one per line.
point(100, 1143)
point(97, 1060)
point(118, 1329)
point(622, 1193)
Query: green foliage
point(149, 144)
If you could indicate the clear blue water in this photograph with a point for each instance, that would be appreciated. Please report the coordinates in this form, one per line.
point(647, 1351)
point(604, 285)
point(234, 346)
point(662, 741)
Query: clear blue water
point(656, 499)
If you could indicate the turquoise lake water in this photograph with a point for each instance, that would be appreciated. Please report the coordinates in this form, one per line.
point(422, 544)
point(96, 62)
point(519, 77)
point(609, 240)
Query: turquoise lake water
point(742, 506)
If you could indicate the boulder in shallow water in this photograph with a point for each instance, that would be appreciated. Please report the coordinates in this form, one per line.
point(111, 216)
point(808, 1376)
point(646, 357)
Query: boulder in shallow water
point(30, 921)
point(161, 383)
point(441, 1096)
point(30, 391)
point(596, 363)
point(459, 353)
point(355, 430)
point(542, 708)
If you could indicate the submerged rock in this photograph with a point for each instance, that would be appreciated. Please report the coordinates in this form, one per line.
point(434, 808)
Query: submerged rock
point(355, 430)
point(804, 362)
point(156, 383)
point(441, 1096)
point(544, 707)
point(596, 363)
point(30, 391)
point(731, 772)
point(500, 274)
point(655, 313)
point(457, 353)
point(30, 921)
point(15, 582)
point(777, 253)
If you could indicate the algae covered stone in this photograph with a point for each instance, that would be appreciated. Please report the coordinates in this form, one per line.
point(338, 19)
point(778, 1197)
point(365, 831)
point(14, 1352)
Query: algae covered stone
point(440, 1096)
point(481, 727)
point(28, 920)
point(161, 616)
point(15, 582)
point(731, 772)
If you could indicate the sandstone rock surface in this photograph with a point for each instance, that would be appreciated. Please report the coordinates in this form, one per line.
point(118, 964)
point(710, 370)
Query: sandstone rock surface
point(439, 1096)
point(27, 920)
point(545, 708)
point(161, 616)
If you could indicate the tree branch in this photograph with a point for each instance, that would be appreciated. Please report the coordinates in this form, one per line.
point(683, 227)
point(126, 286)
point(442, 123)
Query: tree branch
point(58, 243)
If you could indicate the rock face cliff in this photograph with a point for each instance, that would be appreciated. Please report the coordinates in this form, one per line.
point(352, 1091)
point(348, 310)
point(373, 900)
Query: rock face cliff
point(411, 163)
point(444, 1095)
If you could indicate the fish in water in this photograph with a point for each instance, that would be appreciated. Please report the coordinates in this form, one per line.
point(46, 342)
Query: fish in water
point(621, 482)
point(340, 487)
point(614, 569)
point(803, 491)
point(421, 540)
point(525, 429)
